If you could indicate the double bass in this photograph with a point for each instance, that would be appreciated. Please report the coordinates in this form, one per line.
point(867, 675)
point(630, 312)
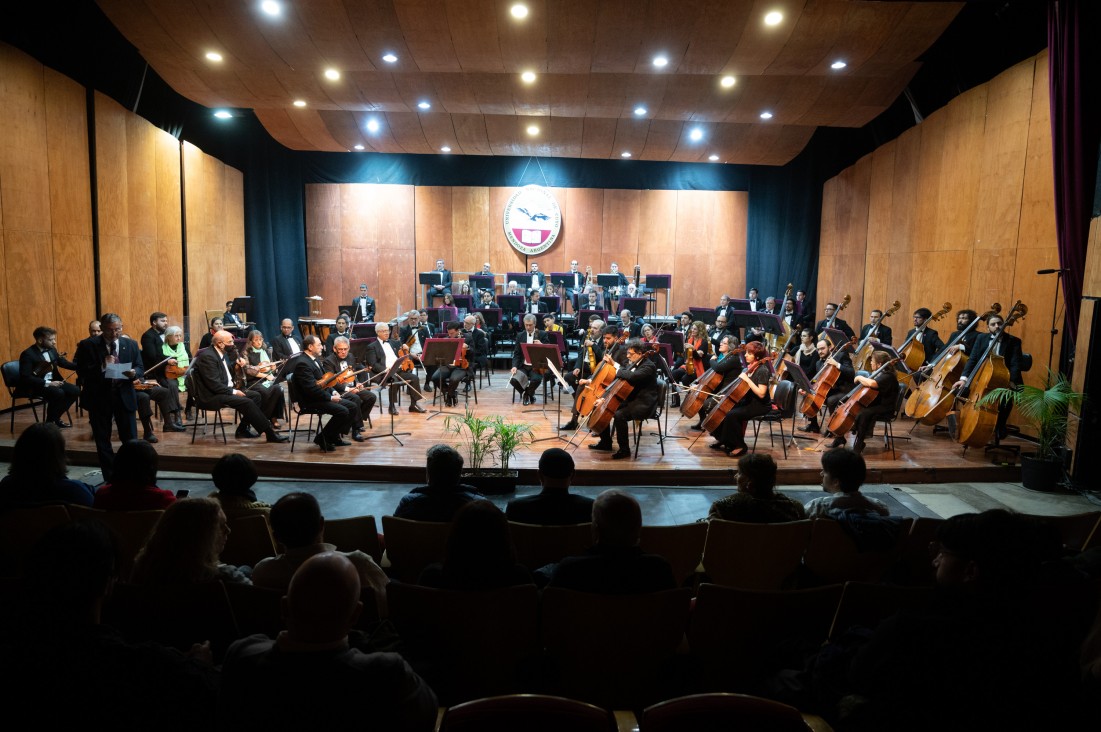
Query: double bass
point(977, 423)
point(864, 350)
point(912, 351)
point(841, 306)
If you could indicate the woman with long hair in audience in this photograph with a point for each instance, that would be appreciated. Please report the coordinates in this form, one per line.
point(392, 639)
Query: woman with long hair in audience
point(185, 545)
point(479, 555)
point(38, 473)
point(133, 485)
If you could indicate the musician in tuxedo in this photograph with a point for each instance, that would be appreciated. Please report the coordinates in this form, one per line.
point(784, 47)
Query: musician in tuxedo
point(959, 341)
point(478, 341)
point(216, 325)
point(307, 372)
point(755, 302)
point(538, 279)
point(417, 332)
point(771, 307)
point(529, 335)
point(444, 285)
point(593, 300)
point(642, 374)
point(358, 400)
point(535, 305)
point(422, 322)
point(287, 344)
point(632, 325)
point(1007, 346)
point(841, 387)
point(231, 321)
point(876, 328)
point(363, 307)
point(575, 285)
point(448, 376)
point(109, 398)
point(928, 338)
point(381, 355)
point(724, 309)
point(803, 308)
point(838, 324)
point(342, 329)
point(152, 353)
point(790, 317)
point(619, 289)
point(717, 332)
point(487, 300)
point(38, 375)
point(212, 380)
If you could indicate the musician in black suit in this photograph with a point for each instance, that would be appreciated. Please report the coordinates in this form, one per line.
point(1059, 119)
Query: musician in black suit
point(528, 335)
point(717, 332)
point(478, 341)
point(842, 386)
point(755, 302)
point(617, 290)
point(109, 398)
point(363, 307)
point(287, 344)
point(804, 310)
point(444, 285)
point(642, 374)
point(232, 322)
point(38, 375)
point(838, 323)
point(152, 353)
point(354, 396)
point(307, 372)
point(960, 341)
point(770, 306)
point(538, 279)
point(876, 328)
point(212, 378)
point(535, 304)
point(574, 285)
point(724, 309)
point(928, 338)
point(632, 325)
point(381, 355)
point(1007, 346)
point(449, 375)
point(342, 329)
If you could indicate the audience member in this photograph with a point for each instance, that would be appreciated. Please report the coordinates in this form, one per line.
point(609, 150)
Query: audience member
point(615, 564)
point(38, 473)
point(444, 494)
point(757, 501)
point(185, 545)
point(480, 554)
point(309, 677)
point(843, 472)
point(234, 475)
point(554, 505)
point(133, 485)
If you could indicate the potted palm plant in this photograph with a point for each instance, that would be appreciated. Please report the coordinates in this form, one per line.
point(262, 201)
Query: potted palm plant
point(485, 438)
point(1047, 411)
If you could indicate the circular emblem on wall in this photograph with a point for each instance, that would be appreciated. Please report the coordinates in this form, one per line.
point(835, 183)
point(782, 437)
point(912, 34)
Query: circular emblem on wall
point(532, 220)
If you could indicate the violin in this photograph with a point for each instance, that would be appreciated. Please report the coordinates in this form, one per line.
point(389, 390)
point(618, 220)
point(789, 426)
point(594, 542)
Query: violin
point(407, 364)
point(347, 376)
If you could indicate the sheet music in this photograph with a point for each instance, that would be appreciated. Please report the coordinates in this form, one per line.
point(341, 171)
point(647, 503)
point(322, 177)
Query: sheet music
point(115, 371)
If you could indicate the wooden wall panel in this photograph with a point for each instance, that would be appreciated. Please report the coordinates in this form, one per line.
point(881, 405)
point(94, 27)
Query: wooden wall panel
point(1091, 284)
point(620, 229)
point(728, 245)
point(960, 171)
point(470, 231)
point(501, 254)
point(233, 217)
point(923, 223)
point(657, 236)
point(24, 169)
point(582, 229)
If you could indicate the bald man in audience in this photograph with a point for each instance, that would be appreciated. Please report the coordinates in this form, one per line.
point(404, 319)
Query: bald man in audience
point(555, 505)
point(310, 677)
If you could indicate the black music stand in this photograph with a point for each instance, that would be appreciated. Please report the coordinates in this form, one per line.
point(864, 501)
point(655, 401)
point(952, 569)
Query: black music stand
point(765, 322)
point(741, 305)
point(835, 337)
point(523, 279)
point(539, 355)
point(464, 301)
point(511, 305)
point(440, 352)
point(363, 330)
point(243, 304)
point(675, 340)
point(704, 315)
point(583, 316)
point(349, 310)
point(801, 382)
point(430, 280)
point(637, 305)
point(564, 388)
point(385, 382)
point(492, 317)
point(482, 282)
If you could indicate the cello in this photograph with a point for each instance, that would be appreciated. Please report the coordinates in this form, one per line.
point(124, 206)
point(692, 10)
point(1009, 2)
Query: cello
point(844, 417)
point(824, 380)
point(864, 350)
point(912, 351)
point(977, 423)
point(612, 399)
point(729, 397)
point(703, 388)
point(929, 403)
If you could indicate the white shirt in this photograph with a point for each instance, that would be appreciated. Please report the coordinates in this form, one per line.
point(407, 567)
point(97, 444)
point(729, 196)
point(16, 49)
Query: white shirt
point(388, 353)
point(225, 367)
point(294, 346)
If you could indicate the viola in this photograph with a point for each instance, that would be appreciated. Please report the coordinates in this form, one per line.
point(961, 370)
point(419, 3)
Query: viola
point(174, 372)
point(844, 417)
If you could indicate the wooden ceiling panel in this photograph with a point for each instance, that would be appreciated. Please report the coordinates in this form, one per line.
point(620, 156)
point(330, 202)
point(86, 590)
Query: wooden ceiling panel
point(474, 34)
point(715, 36)
point(922, 24)
point(523, 44)
point(342, 126)
point(382, 140)
point(598, 138)
point(439, 130)
point(618, 37)
point(470, 131)
point(662, 137)
point(759, 45)
point(668, 33)
point(312, 127)
point(375, 24)
point(570, 47)
point(455, 93)
point(813, 37)
point(407, 131)
point(265, 88)
point(556, 138)
point(427, 34)
point(279, 124)
point(630, 136)
point(867, 27)
point(327, 25)
point(382, 91)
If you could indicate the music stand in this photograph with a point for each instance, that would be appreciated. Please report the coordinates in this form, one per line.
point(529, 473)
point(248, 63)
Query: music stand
point(363, 330)
point(583, 317)
point(637, 305)
point(704, 315)
point(741, 305)
point(385, 382)
point(539, 355)
point(523, 279)
point(765, 322)
point(440, 352)
point(429, 280)
point(492, 317)
point(243, 304)
point(801, 382)
point(674, 339)
point(464, 301)
point(482, 282)
point(564, 279)
point(835, 337)
point(349, 309)
point(511, 304)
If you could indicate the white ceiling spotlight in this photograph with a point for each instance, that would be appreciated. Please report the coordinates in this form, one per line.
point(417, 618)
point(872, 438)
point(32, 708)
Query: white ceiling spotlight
point(272, 8)
point(766, 115)
point(661, 61)
point(372, 125)
point(390, 58)
point(838, 65)
point(696, 134)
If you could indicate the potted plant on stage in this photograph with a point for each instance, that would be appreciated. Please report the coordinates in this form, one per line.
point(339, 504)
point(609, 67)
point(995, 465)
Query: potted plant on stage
point(484, 438)
point(1047, 411)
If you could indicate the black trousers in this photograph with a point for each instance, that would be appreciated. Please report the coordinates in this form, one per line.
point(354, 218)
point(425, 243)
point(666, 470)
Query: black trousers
point(732, 431)
point(100, 418)
point(272, 403)
point(58, 398)
point(340, 417)
point(248, 406)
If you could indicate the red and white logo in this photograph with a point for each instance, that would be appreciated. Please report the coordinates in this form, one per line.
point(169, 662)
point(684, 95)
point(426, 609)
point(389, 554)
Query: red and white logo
point(532, 219)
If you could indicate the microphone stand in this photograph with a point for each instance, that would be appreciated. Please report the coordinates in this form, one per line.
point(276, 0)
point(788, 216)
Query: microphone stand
point(1054, 310)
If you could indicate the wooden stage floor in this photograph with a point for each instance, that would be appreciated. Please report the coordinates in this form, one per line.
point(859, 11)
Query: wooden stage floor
point(926, 458)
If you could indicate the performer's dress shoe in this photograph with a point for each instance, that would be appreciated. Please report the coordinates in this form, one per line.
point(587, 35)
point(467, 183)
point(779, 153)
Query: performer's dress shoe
point(719, 446)
point(810, 427)
point(62, 424)
point(321, 442)
point(339, 442)
point(393, 409)
point(171, 427)
point(358, 436)
point(620, 454)
point(526, 400)
point(274, 437)
point(837, 442)
point(601, 446)
point(150, 438)
point(697, 427)
point(571, 425)
point(245, 434)
point(675, 402)
point(738, 452)
point(858, 446)
point(416, 408)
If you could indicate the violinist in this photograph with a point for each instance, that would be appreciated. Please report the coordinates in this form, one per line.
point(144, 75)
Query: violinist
point(838, 324)
point(449, 376)
point(641, 373)
point(152, 344)
point(381, 355)
point(363, 307)
point(260, 377)
point(876, 329)
point(531, 379)
point(928, 337)
point(38, 375)
point(358, 400)
point(885, 384)
point(1008, 347)
point(422, 321)
point(342, 330)
point(697, 348)
point(756, 402)
point(176, 351)
point(307, 372)
point(648, 334)
point(841, 387)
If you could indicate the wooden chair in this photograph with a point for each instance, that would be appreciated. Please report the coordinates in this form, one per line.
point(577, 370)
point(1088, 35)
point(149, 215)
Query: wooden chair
point(537, 546)
point(413, 545)
point(681, 545)
point(736, 636)
point(867, 604)
point(256, 609)
point(357, 532)
point(612, 650)
point(130, 530)
point(832, 555)
point(249, 540)
point(1076, 529)
point(528, 712)
point(20, 528)
point(720, 712)
point(915, 565)
point(469, 644)
point(176, 616)
point(754, 556)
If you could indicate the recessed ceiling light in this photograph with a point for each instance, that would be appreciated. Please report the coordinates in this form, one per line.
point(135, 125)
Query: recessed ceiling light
point(424, 105)
point(660, 61)
point(213, 56)
point(445, 148)
point(712, 158)
point(625, 154)
point(372, 125)
point(766, 115)
point(838, 64)
point(519, 11)
point(299, 103)
point(774, 18)
point(332, 74)
point(527, 77)
point(271, 7)
point(696, 134)
point(640, 111)
point(359, 147)
point(222, 114)
point(727, 81)
point(533, 130)
point(390, 58)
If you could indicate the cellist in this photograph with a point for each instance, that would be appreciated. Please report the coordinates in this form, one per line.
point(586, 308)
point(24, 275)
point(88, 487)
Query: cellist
point(756, 402)
point(841, 387)
point(1009, 348)
point(641, 373)
point(727, 363)
point(593, 351)
point(885, 384)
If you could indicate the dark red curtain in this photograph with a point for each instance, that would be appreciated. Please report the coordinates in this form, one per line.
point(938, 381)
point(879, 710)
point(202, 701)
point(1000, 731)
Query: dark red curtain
point(1074, 72)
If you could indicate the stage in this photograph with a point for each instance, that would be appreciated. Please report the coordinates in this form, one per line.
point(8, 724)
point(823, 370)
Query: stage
point(924, 458)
